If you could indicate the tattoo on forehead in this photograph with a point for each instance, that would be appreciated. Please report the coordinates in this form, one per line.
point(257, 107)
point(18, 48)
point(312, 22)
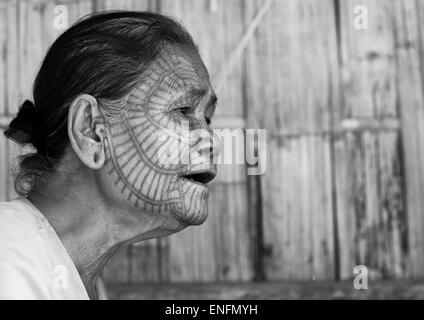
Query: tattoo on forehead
point(143, 136)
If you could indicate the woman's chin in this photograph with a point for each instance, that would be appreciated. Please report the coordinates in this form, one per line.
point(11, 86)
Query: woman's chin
point(195, 198)
point(193, 217)
point(193, 207)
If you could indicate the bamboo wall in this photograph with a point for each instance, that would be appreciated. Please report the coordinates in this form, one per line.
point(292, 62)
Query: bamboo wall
point(344, 114)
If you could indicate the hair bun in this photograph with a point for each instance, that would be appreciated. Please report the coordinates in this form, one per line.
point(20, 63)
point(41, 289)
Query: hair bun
point(22, 128)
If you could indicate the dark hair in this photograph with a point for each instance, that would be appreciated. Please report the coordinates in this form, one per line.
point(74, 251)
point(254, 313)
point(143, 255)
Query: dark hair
point(104, 55)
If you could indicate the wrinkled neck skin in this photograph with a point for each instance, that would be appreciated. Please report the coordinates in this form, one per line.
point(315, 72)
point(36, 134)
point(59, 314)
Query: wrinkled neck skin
point(80, 215)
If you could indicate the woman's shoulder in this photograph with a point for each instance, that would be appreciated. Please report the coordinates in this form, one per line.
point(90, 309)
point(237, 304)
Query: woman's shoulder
point(19, 259)
point(17, 223)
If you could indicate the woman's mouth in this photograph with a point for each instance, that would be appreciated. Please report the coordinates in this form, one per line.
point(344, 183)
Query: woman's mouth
point(202, 177)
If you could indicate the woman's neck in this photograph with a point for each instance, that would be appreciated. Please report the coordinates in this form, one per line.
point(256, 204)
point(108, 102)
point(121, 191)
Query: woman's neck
point(89, 225)
point(81, 224)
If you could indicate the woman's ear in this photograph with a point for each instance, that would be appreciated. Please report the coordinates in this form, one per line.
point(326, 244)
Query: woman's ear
point(86, 131)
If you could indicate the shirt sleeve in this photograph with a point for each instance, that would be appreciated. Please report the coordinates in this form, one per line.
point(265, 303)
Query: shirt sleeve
point(20, 278)
point(18, 284)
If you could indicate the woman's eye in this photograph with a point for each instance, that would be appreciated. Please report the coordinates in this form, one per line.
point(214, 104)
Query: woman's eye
point(184, 110)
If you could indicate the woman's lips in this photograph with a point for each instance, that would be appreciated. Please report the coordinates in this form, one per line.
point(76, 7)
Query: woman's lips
point(202, 177)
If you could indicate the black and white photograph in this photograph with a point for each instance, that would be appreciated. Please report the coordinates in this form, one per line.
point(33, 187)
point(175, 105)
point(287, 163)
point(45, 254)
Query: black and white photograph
point(211, 150)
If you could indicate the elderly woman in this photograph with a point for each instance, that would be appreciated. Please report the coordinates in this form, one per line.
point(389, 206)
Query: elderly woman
point(122, 102)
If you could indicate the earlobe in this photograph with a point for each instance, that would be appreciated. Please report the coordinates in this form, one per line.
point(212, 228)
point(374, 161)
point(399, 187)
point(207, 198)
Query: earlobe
point(86, 131)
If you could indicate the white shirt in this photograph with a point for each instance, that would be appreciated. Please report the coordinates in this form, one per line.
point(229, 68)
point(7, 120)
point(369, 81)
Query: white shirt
point(34, 264)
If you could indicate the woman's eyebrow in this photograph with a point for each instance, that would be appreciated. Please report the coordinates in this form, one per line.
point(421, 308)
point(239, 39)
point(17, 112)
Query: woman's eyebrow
point(197, 92)
point(193, 93)
point(203, 92)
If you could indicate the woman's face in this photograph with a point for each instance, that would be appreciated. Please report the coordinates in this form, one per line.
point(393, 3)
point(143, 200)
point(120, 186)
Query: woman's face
point(159, 158)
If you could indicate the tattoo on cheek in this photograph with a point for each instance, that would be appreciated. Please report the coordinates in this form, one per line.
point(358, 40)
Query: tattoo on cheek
point(134, 148)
